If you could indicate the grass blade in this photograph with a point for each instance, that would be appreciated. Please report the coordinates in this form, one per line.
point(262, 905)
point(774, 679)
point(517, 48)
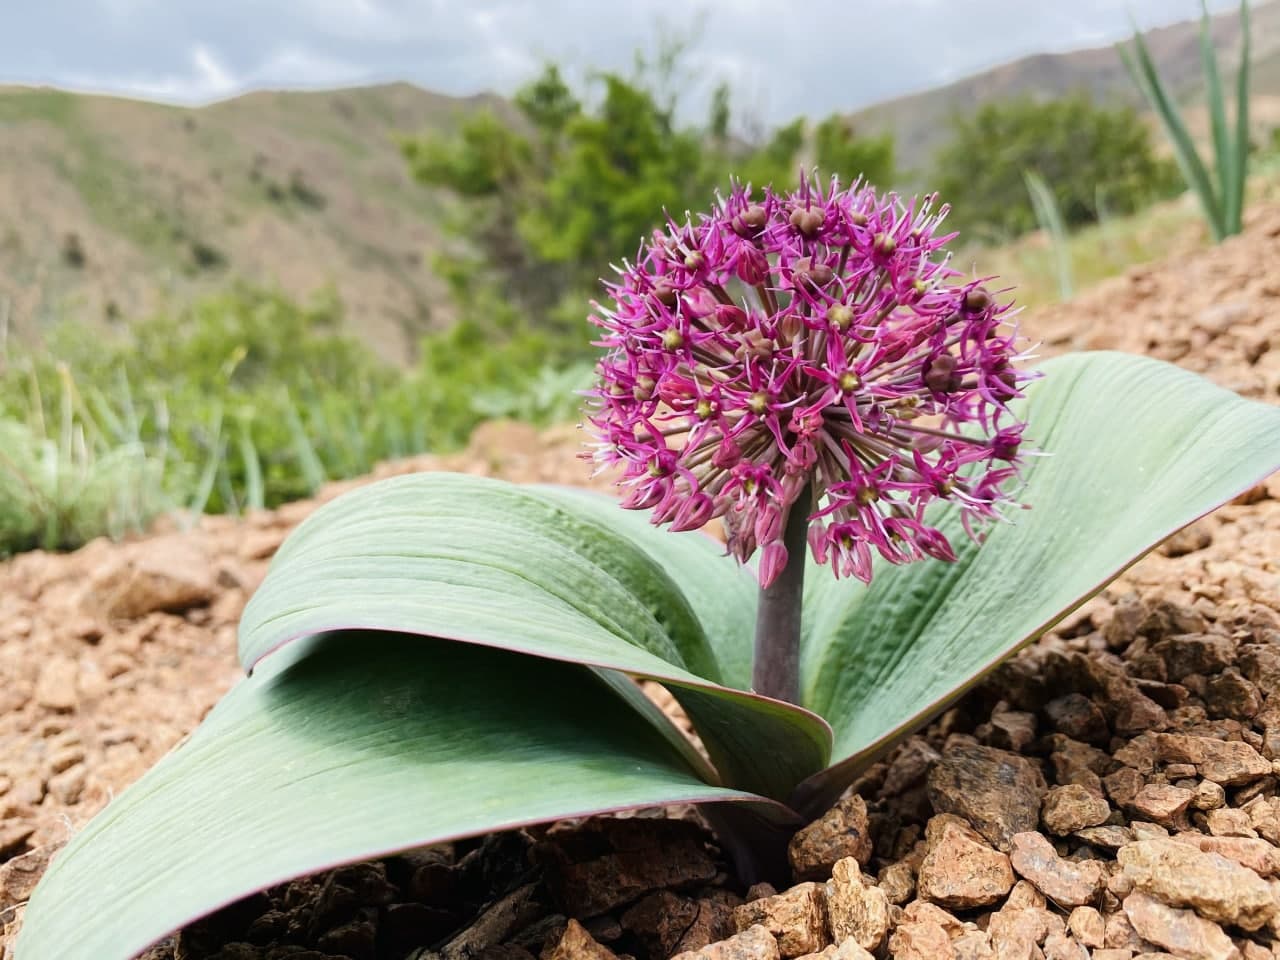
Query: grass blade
point(1240, 153)
point(1224, 164)
point(1143, 70)
point(1049, 216)
point(209, 476)
point(254, 489)
point(303, 449)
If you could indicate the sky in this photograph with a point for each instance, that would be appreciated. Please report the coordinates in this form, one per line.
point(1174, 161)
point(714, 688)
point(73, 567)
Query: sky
point(826, 55)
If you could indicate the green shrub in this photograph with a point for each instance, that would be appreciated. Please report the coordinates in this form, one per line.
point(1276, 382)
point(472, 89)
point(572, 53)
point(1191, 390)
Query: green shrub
point(1077, 146)
point(241, 401)
point(547, 197)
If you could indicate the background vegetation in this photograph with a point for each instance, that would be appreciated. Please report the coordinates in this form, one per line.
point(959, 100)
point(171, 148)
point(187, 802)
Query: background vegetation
point(238, 396)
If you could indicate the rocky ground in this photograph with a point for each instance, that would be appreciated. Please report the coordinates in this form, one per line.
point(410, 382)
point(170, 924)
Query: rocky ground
point(1114, 791)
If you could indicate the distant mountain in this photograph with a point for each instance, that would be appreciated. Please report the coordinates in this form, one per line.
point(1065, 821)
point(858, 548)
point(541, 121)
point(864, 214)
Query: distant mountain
point(920, 122)
point(109, 206)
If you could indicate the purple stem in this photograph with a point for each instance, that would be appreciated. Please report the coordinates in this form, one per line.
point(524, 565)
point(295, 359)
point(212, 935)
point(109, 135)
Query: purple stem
point(776, 669)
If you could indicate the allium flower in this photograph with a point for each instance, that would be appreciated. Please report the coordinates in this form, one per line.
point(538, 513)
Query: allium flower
point(813, 341)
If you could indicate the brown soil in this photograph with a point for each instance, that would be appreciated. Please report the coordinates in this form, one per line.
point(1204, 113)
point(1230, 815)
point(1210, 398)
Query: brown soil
point(1151, 712)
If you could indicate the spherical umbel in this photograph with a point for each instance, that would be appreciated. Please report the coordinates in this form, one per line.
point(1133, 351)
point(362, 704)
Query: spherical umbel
point(815, 340)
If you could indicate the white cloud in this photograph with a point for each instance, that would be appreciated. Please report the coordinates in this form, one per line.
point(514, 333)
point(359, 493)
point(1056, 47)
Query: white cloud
point(210, 74)
point(823, 56)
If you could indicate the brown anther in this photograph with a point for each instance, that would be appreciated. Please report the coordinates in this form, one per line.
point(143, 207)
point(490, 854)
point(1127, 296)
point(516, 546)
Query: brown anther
point(976, 300)
point(849, 382)
point(643, 389)
point(758, 403)
point(750, 221)
point(694, 260)
point(858, 219)
point(884, 245)
point(807, 221)
point(665, 293)
point(868, 496)
point(672, 339)
point(811, 275)
point(704, 409)
point(939, 374)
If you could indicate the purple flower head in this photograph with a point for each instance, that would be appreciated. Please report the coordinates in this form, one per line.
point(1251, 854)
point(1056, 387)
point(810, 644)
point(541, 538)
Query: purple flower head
point(812, 340)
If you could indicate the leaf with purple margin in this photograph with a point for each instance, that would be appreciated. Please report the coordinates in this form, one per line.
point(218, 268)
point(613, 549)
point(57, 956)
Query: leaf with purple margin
point(339, 749)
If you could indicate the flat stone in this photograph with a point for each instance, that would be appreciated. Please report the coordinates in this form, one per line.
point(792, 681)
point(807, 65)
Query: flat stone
point(171, 573)
point(1230, 763)
point(1231, 695)
point(1260, 856)
point(1087, 926)
point(18, 876)
point(856, 912)
point(844, 951)
point(960, 870)
point(996, 791)
point(1161, 802)
point(921, 941)
point(667, 923)
point(1068, 809)
point(1060, 946)
point(1215, 887)
point(607, 863)
point(898, 881)
point(1078, 717)
point(1123, 785)
point(1200, 653)
point(839, 833)
point(576, 944)
point(1120, 934)
point(1229, 822)
point(1208, 795)
point(1107, 837)
point(1066, 883)
point(754, 943)
point(797, 919)
point(56, 684)
point(1180, 931)
point(922, 911)
point(1015, 932)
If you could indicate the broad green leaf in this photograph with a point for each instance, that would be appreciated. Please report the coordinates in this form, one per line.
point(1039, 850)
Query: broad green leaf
point(339, 749)
point(541, 572)
point(1136, 449)
point(723, 595)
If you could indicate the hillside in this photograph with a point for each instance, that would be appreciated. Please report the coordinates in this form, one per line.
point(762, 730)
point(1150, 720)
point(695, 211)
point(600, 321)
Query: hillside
point(108, 205)
point(920, 122)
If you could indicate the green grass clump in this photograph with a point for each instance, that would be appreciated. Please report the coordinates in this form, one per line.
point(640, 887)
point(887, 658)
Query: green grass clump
point(65, 481)
point(241, 401)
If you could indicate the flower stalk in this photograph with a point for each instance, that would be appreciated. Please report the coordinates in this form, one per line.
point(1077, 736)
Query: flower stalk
point(776, 668)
